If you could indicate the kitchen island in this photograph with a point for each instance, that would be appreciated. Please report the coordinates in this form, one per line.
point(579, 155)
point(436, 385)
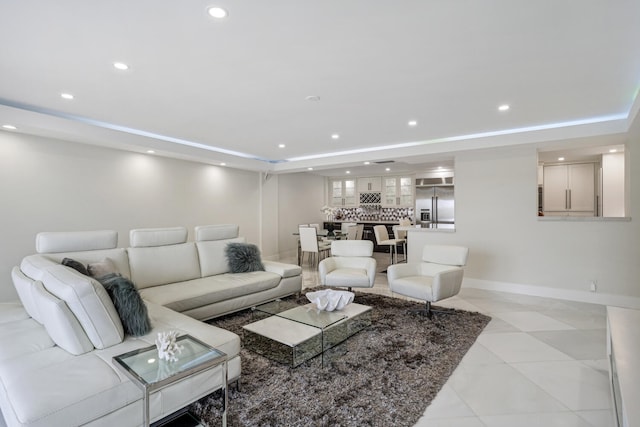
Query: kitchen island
point(368, 233)
point(417, 237)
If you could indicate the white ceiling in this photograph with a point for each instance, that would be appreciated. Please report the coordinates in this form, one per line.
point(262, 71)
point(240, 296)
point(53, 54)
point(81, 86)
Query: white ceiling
point(231, 91)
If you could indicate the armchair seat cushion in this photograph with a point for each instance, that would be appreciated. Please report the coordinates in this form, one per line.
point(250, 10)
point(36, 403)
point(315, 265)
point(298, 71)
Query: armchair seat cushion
point(349, 277)
point(419, 287)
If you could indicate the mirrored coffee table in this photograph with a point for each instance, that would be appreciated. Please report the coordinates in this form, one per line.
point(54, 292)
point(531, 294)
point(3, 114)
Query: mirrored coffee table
point(294, 335)
point(150, 374)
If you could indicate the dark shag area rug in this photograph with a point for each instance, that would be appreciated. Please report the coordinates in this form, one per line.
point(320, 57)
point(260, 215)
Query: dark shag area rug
point(385, 375)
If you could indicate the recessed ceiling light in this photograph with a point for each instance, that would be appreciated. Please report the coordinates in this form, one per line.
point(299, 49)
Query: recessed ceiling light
point(309, 169)
point(281, 145)
point(439, 167)
point(217, 12)
point(367, 163)
point(335, 136)
point(387, 169)
point(412, 123)
point(503, 107)
point(10, 127)
point(150, 151)
point(348, 172)
point(560, 159)
point(66, 96)
point(223, 164)
point(613, 150)
point(312, 98)
point(120, 66)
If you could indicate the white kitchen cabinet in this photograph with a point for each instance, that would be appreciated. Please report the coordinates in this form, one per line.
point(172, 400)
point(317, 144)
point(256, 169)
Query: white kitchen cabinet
point(370, 184)
point(343, 192)
point(569, 190)
point(397, 191)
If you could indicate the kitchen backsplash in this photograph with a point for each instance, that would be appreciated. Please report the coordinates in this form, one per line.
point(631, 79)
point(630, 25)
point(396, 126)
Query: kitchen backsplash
point(373, 213)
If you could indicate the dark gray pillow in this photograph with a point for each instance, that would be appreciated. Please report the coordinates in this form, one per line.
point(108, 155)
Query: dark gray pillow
point(102, 268)
point(243, 257)
point(76, 265)
point(129, 305)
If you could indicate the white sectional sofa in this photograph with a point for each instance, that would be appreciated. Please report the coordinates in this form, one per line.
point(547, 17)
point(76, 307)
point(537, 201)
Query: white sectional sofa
point(56, 347)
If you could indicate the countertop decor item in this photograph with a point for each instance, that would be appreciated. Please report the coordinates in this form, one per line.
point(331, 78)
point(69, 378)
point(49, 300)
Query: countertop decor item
point(168, 347)
point(330, 300)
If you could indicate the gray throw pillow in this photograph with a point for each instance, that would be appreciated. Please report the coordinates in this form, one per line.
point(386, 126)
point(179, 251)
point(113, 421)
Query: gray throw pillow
point(76, 265)
point(243, 257)
point(102, 268)
point(128, 303)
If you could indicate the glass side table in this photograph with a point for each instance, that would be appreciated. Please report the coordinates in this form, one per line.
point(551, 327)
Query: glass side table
point(150, 374)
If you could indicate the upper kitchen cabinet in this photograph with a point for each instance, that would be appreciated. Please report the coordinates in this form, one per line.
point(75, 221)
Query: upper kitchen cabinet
point(569, 190)
point(369, 184)
point(585, 182)
point(343, 192)
point(397, 191)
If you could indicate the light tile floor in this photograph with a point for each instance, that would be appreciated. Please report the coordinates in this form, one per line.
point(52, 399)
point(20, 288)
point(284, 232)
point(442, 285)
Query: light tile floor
point(539, 362)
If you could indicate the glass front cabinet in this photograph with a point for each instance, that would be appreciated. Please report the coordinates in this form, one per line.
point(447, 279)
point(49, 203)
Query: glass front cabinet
point(343, 192)
point(397, 191)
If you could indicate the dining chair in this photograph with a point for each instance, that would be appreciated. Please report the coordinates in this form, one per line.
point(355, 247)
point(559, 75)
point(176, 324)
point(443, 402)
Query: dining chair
point(344, 228)
point(309, 243)
point(382, 239)
point(352, 232)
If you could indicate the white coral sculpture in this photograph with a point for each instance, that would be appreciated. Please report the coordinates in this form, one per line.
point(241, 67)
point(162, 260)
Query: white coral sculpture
point(168, 347)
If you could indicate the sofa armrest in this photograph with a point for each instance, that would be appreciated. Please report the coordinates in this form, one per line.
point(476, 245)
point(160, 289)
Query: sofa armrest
point(283, 269)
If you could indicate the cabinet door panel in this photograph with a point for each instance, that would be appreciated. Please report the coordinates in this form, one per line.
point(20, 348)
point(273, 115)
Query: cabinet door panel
point(555, 188)
point(582, 185)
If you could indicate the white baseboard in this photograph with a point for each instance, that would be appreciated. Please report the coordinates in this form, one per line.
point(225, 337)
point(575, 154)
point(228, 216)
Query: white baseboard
point(543, 291)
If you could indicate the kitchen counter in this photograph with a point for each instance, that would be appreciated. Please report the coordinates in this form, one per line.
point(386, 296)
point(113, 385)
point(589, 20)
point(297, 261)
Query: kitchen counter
point(366, 222)
point(427, 230)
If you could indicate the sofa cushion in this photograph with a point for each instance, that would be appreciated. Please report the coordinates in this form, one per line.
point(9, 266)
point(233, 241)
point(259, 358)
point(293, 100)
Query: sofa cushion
point(128, 303)
point(69, 241)
point(152, 266)
point(148, 237)
point(211, 255)
point(34, 266)
point(23, 286)
point(12, 311)
point(21, 337)
point(209, 290)
point(89, 302)
point(216, 232)
point(243, 257)
point(61, 325)
point(282, 269)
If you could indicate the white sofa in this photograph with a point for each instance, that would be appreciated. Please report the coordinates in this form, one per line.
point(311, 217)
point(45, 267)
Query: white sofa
point(56, 347)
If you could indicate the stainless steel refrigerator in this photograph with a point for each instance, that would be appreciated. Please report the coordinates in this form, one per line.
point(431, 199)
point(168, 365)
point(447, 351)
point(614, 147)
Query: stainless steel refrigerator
point(435, 206)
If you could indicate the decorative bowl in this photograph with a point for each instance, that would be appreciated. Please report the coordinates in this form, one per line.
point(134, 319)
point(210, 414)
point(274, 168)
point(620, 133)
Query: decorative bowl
point(330, 300)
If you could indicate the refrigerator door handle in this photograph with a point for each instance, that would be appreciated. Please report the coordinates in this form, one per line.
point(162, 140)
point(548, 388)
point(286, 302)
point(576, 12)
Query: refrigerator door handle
point(434, 209)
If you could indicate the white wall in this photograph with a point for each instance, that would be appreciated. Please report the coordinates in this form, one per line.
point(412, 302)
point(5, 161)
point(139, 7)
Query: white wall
point(509, 244)
point(51, 185)
point(613, 184)
point(47, 184)
point(301, 196)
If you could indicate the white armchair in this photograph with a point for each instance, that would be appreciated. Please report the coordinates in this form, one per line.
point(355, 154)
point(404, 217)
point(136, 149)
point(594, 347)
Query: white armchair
point(437, 277)
point(350, 265)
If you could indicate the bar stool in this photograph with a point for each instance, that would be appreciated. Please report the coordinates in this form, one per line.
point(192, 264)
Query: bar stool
point(382, 238)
